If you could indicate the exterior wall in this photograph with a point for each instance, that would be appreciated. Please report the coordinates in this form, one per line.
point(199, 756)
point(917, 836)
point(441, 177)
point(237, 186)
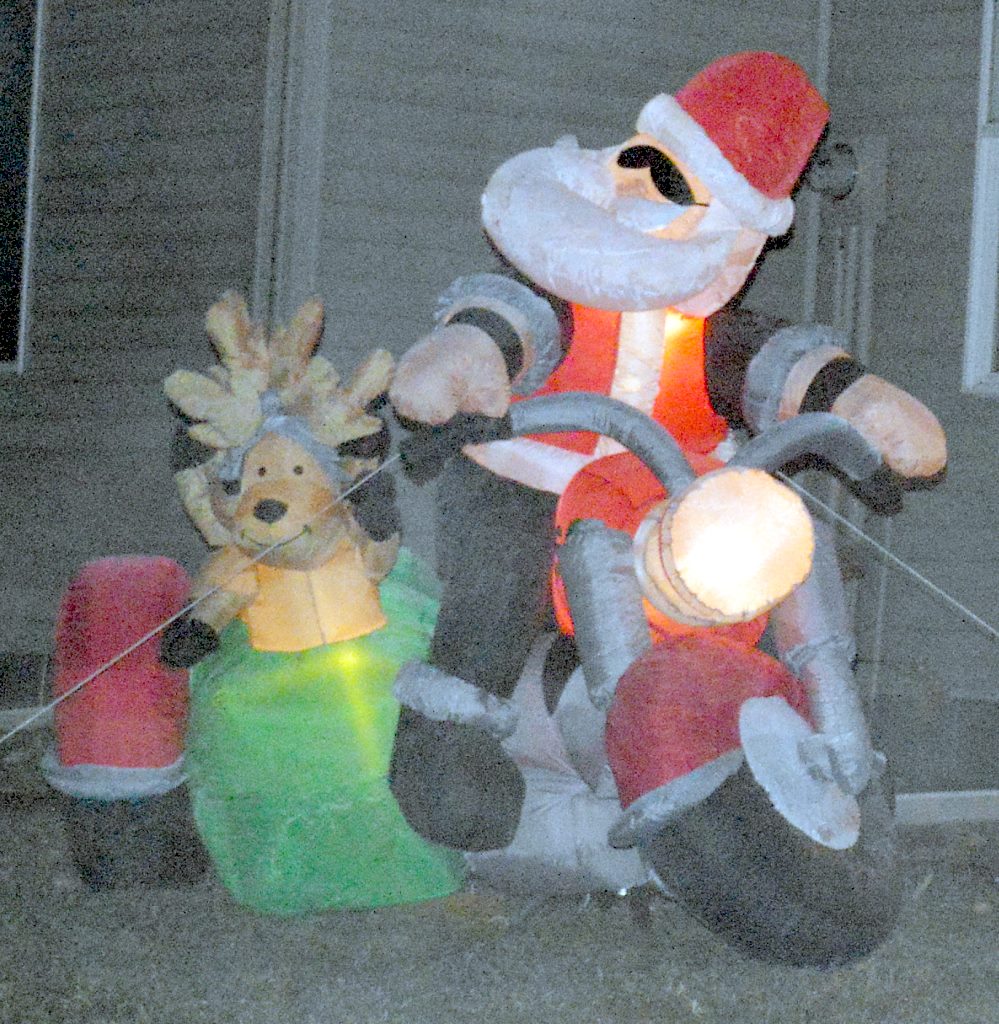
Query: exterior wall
point(149, 171)
point(425, 101)
point(910, 71)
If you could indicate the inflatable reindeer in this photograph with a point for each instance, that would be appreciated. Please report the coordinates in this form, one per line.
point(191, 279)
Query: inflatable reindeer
point(293, 562)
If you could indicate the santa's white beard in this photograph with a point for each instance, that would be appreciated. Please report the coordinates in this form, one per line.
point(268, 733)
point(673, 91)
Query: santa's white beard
point(555, 214)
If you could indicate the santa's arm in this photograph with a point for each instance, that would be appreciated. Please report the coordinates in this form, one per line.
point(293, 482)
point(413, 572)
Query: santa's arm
point(761, 372)
point(493, 337)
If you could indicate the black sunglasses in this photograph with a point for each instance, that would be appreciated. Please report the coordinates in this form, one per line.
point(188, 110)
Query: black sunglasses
point(666, 176)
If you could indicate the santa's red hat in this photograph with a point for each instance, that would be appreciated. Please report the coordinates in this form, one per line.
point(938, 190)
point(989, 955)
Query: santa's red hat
point(746, 125)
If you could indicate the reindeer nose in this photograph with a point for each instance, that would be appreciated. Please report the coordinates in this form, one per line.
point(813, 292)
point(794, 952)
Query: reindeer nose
point(269, 510)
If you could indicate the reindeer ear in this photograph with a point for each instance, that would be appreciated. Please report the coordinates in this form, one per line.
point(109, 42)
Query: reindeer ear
point(205, 433)
point(238, 341)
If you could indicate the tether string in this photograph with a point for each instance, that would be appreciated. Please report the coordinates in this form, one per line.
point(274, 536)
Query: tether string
point(885, 554)
point(895, 561)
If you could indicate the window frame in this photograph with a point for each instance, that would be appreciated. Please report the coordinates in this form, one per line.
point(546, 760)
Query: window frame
point(18, 364)
point(980, 374)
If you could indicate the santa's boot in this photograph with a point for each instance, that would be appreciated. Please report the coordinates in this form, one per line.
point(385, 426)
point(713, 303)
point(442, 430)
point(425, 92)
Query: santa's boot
point(451, 777)
point(118, 758)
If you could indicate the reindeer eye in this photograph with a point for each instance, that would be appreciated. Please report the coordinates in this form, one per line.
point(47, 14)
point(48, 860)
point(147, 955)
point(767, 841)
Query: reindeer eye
point(298, 470)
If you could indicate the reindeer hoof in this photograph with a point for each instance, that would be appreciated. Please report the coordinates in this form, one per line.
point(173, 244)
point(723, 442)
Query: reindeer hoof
point(186, 642)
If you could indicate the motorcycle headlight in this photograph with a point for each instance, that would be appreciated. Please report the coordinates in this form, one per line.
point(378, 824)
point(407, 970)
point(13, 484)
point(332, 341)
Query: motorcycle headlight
point(733, 545)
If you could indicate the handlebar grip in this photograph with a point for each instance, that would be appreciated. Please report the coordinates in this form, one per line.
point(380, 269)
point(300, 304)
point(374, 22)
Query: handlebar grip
point(834, 440)
point(426, 451)
point(881, 492)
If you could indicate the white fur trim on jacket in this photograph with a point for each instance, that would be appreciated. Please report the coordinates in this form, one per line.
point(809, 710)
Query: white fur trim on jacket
point(530, 462)
point(665, 119)
point(769, 369)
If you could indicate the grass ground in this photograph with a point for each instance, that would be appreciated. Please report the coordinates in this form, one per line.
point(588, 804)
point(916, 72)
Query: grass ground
point(191, 956)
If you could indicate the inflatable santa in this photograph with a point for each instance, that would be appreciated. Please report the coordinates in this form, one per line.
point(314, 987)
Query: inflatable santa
point(619, 267)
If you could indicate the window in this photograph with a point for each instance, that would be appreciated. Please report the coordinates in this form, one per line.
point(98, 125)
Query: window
point(981, 348)
point(20, 22)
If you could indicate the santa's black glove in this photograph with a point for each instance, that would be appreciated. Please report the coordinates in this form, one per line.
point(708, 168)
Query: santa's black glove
point(427, 449)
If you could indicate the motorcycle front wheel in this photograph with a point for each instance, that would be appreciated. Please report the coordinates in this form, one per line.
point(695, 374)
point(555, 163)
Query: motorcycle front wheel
point(772, 892)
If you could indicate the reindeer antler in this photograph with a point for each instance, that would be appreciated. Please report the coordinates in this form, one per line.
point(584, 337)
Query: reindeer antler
point(240, 343)
point(342, 416)
point(292, 346)
point(226, 405)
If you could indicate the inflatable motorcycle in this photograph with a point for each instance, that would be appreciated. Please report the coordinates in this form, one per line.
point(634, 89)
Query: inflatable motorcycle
point(686, 756)
point(714, 645)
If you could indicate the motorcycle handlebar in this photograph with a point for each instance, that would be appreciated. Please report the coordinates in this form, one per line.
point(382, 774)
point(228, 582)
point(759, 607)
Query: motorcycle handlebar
point(824, 435)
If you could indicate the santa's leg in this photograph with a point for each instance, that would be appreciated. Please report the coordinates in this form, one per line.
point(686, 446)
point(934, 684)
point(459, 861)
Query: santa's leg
point(453, 780)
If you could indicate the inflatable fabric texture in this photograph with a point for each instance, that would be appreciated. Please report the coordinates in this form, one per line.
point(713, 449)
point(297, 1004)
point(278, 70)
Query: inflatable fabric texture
point(288, 758)
point(560, 846)
point(619, 490)
point(677, 708)
point(132, 715)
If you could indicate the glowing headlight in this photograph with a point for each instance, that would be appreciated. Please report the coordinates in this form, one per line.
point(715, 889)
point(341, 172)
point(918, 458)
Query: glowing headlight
point(727, 549)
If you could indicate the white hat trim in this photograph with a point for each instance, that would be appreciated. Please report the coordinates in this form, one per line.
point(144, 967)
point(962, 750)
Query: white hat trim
point(664, 118)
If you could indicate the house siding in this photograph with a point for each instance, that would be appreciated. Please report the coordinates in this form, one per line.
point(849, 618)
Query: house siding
point(910, 71)
point(146, 209)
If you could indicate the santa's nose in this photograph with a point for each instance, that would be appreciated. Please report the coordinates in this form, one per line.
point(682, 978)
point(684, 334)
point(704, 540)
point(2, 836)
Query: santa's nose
point(270, 510)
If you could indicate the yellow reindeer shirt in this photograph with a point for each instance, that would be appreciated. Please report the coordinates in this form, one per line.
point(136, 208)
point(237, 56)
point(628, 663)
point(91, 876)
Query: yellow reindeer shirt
point(296, 610)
